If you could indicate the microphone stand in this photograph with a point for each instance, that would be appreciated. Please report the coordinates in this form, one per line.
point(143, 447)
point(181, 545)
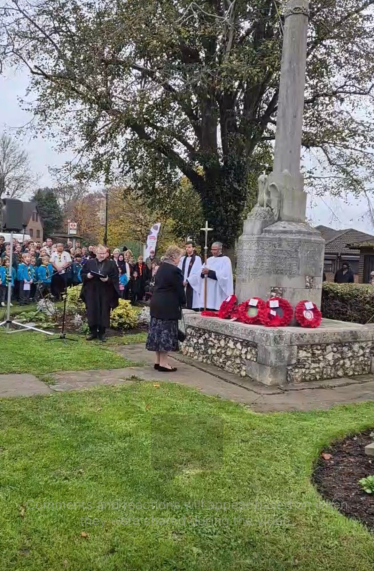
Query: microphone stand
point(62, 335)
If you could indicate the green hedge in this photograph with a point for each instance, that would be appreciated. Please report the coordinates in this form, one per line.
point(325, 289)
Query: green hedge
point(348, 302)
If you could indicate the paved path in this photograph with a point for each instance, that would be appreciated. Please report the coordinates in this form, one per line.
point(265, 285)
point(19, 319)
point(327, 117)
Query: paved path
point(208, 379)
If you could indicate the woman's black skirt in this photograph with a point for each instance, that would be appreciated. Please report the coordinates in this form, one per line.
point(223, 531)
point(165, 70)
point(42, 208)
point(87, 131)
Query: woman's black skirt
point(162, 335)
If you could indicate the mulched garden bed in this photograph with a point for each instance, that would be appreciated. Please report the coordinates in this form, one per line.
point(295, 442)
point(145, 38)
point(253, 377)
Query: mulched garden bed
point(337, 478)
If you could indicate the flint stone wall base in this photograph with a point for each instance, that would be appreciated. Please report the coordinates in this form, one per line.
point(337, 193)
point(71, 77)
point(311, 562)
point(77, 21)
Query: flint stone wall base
point(279, 356)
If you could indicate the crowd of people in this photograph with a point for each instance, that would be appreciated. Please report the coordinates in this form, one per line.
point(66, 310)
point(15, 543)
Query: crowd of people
point(48, 268)
point(177, 280)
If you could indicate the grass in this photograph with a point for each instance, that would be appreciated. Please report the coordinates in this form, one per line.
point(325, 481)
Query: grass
point(27, 352)
point(127, 339)
point(89, 480)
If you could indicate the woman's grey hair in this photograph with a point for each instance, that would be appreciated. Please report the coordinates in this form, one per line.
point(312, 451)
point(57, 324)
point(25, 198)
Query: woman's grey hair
point(218, 244)
point(173, 253)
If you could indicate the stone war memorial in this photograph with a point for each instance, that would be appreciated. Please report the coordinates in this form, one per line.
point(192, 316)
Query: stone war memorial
point(280, 255)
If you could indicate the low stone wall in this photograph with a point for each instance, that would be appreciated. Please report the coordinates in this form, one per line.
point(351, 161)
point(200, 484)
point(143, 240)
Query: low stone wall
point(284, 355)
point(318, 362)
point(225, 352)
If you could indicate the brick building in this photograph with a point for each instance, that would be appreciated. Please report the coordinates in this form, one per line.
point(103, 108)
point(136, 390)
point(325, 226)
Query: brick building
point(32, 221)
point(343, 246)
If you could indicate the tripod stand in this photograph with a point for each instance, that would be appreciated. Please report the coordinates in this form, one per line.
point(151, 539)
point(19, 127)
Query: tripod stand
point(62, 335)
point(8, 321)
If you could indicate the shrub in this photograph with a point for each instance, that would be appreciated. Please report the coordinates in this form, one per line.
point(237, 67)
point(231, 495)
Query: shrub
point(348, 302)
point(367, 484)
point(124, 316)
point(73, 299)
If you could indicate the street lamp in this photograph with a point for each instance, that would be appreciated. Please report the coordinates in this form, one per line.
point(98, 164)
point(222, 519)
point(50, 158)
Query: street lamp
point(105, 239)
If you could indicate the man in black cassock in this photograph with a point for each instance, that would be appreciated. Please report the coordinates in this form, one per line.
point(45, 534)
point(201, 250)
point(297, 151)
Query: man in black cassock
point(100, 292)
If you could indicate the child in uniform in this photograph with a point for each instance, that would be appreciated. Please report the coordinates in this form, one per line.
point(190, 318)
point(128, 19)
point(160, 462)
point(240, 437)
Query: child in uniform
point(5, 276)
point(123, 281)
point(34, 277)
point(76, 270)
point(25, 277)
point(45, 272)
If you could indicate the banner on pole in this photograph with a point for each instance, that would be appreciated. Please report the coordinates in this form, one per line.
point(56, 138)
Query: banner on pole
point(152, 239)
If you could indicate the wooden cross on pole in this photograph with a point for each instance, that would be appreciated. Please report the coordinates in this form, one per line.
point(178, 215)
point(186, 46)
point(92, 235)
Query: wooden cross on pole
point(206, 231)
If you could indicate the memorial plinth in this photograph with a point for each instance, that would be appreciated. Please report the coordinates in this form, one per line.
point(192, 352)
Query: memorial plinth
point(286, 260)
point(280, 356)
point(279, 254)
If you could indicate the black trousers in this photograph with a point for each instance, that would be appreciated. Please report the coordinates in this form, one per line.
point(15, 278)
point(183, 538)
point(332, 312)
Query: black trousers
point(59, 282)
point(97, 330)
point(3, 293)
point(24, 294)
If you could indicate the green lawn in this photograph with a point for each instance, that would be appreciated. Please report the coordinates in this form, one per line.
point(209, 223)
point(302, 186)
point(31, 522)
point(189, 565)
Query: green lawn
point(114, 464)
point(27, 352)
point(127, 338)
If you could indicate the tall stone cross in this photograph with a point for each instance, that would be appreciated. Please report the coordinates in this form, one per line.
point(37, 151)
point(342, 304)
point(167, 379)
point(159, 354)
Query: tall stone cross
point(291, 90)
point(278, 252)
point(287, 153)
point(206, 231)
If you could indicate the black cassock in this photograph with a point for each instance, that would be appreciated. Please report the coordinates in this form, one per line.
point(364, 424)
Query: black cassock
point(100, 297)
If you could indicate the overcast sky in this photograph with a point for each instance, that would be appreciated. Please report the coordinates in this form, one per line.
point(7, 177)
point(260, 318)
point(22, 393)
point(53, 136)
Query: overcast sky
point(333, 212)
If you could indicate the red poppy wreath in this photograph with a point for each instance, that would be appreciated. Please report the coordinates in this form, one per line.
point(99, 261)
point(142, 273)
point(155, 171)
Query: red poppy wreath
point(209, 313)
point(248, 311)
point(227, 307)
point(271, 318)
point(307, 314)
point(226, 311)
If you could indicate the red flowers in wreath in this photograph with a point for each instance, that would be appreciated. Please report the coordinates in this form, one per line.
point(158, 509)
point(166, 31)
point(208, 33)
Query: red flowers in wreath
point(226, 311)
point(251, 306)
point(307, 314)
point(277, 312)
point(227, 307)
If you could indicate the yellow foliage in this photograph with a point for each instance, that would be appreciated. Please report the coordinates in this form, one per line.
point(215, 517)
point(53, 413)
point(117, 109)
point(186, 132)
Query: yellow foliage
point(124, 316)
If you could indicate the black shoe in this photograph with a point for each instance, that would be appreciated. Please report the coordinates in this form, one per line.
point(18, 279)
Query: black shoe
point(91, 336)
point(157, 367)
point(102, 338)
point(166, 370)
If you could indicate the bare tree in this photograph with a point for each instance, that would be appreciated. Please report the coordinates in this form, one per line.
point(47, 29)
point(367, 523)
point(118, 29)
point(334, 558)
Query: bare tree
point(15, 170)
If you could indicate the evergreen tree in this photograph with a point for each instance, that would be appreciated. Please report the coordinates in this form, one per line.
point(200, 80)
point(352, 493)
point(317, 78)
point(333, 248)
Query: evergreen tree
point(49, 210)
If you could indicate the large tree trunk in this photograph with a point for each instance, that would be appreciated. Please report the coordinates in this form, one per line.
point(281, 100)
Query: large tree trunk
point(223, 196)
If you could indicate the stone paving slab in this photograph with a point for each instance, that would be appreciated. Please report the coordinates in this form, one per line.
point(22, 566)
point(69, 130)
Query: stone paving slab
point(22, 386)
point(73, 380)
point(205, 378)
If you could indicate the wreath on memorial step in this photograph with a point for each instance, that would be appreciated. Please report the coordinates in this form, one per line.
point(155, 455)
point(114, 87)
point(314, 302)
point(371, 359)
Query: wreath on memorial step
point(269, 316)
point(256, 304)
point(228, 307)
point(307, 314)
point(226, 311)
point(209, 313)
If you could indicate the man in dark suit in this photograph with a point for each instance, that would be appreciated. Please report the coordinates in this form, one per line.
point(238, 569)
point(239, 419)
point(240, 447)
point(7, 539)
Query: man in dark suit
point(100, 292)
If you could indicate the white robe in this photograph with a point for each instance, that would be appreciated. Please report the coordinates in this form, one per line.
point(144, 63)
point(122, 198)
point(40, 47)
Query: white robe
point(222, 287)
point(193, 279)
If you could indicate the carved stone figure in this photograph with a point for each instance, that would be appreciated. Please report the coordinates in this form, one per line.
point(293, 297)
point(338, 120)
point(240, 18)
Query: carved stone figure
point(267, 209)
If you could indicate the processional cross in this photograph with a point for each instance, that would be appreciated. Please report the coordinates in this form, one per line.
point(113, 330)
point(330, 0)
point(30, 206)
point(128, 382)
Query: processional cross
point(206, 231)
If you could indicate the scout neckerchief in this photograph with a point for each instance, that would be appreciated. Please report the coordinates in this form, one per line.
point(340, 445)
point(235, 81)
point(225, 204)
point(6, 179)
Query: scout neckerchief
point(7, 277)
point(29, 273)
point(47, 274)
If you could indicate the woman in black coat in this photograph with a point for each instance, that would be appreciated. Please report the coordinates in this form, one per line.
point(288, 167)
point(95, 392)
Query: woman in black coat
point(166, 309)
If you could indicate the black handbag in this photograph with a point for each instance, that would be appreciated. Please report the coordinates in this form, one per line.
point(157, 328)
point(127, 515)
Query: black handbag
point(181, 334)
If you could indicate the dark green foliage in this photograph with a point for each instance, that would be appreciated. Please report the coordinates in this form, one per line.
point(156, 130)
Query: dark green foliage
point(150, 90)
point(49, 209)
point(348, 302)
